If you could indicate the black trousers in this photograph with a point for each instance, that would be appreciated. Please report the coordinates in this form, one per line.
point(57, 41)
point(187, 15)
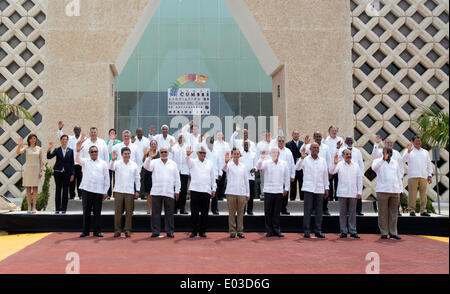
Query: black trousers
point(62, 180)
point(252, 196)
point(334, 181)
point(272, 209)
point(92, 202)
point(284, 203)
point(258, 184)
point(359, 206)
point(199, 211)
point(181, 203)
point(312, 200)
point(112, 181)
point(298, 180)
point(215, 200)
point(220, 193)
point(76, 182)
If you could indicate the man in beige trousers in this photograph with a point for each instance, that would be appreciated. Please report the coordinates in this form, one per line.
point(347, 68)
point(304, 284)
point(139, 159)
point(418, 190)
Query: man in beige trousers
point(419, 174)
point(237, 192)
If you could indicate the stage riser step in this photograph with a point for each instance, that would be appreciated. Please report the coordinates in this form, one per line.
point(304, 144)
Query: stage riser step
point(258, 206)
point(29, 223)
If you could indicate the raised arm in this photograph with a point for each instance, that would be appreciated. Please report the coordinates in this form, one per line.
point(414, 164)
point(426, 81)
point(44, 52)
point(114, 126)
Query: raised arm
point(79, 147)
point(19, 149)
point(188, 156)
point(50, 153)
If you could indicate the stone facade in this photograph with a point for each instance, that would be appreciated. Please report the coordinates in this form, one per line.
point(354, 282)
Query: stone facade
point(340, 64)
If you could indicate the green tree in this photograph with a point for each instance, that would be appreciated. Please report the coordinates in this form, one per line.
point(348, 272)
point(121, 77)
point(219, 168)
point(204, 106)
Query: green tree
point(433, 127)
point(7, 108)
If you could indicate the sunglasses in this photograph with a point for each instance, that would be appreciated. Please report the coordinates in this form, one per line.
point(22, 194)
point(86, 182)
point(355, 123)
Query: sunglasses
point(93, 152)
point(163, 152)
point(202, 152)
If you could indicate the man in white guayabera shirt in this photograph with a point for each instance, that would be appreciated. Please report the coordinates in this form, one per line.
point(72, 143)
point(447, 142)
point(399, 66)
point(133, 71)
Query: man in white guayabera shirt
point(349, 191)
point(126, 189)
point(237, 192)
point(388, 192)
point(95, 185)
point(315, 186)
point(177, 153)
point(203, 187)
point(165, 188)
point(419, 174)
point(276, 186)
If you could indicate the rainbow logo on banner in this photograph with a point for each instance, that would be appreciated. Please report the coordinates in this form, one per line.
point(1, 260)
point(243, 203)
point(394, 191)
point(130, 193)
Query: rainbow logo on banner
point(198, 79)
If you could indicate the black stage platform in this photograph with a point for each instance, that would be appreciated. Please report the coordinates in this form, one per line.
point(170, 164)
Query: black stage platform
point(46, 222)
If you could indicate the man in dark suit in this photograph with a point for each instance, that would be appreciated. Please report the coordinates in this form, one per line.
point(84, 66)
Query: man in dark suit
point(64, 172)
point(295, 146)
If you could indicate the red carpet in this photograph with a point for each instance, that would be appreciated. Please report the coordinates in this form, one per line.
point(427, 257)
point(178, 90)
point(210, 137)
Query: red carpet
point(220, 255)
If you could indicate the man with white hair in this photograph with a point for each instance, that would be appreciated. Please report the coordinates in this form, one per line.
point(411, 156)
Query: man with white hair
point(276, 186)
point(286, 156)
point(135, 156)
point(165, 188)
point(334, 143)
point(221, 147)
point(164, 138)
point(203, 187)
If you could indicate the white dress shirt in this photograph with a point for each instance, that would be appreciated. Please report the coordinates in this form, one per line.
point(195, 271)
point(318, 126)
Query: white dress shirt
point(350, 179)
point(239, 143)
point(165, 177)
point(237, 179)
point(135, 155)
point(332, 144)
point(127, 175)
point(95, 176)
point(141, 145)
point(212, 156)
point(324, 152)
point(264, 145)
point(315, 174)
point(221, 148)
point(164, 142)
point(72, 143)
point(103, 153)
point(203, 177)
point(356, 157)
point(419, 163)
point(286, 155)
point(388, 176)
point(178, 154)
point(276, 176)
point(378, 152)
point(250, 161)
point(191, 140)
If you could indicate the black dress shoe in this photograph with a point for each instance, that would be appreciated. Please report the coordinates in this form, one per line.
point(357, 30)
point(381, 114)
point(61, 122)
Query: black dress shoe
point(343, 235)
point(170, 235)
point(268, 235)
point(116, 234)
point(360, 214)
point(63, 212)
point(354, 236)
point(193, 235)
point(384, 237)
point(412, 213)
point(249, 213)
point(183, 212)
point(285, 213)
point(100, 235)
point(127, 234)
point(395, 237)
point(240, 235)
point(326, 213)
point(202, 235)
point(154, 235)
point(215, 212)
point(279, 235)
point(232, 235)
point(319, 235)
point(83, 235)
point(307, 235)
point(425, 214)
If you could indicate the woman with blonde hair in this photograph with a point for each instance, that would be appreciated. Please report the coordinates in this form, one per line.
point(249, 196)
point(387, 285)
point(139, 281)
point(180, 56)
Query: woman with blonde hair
point(32, 168)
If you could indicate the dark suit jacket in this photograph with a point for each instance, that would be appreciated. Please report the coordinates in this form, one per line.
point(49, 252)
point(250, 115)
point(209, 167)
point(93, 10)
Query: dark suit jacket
point(294, 149)
point(66, 162)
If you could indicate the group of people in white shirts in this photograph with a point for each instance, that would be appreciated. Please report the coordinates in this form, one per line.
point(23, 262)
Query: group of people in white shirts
point(171, 162)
